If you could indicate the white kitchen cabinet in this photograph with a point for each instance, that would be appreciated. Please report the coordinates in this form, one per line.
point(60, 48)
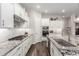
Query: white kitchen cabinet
point(7, 15)
point(0, 15)
point(54, 50)
point(17, 9)
point(25, 47)
point(26, 18)
point(7, 12)
point(21, 12)
point(27, 44)
point(19, 51)
point(15, 51)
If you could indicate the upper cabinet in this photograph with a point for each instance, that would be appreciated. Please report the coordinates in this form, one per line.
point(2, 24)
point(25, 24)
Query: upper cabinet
point(20, 11)
point(6, 15)
point(13, 15)
point(21, 17)
point(17, 9)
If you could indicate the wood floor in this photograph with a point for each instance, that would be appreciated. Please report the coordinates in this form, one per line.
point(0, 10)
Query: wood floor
point(38, 49)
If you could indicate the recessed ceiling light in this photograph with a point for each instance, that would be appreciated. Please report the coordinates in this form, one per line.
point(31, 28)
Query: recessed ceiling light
point(77, 19)
point(63, 10)
point(38, 6)
point(46, 11)
point(63, 16)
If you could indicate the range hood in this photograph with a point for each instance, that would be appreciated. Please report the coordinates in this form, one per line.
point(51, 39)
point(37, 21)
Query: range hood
point(18, 18)
point(18, 21)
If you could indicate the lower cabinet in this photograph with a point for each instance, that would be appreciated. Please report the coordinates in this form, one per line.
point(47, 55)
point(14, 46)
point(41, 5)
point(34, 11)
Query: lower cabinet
point(54, 50)
point(26, 45)
point(19, 52)
point(22, 49)
point(15, 52)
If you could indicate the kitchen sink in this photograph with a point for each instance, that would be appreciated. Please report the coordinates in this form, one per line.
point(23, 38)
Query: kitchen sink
point(64, 43)
point(21, 37)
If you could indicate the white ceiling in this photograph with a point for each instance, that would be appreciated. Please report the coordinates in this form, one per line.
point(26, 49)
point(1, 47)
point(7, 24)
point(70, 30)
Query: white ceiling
point(54, 8)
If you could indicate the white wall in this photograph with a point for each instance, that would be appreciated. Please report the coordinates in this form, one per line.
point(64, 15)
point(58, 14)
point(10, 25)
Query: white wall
point(38, 27)
point(6, 34)
point(35, 25)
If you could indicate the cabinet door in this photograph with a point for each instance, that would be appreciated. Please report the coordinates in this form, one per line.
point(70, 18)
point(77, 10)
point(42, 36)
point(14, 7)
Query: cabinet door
point(23, 13)
point(15, 52)
point(17, 9)
point(27, 19)
point(26, 45)
point(26, 24)
point(0, 15)
point(54, 50)
point(7, 12)
point(19, 52)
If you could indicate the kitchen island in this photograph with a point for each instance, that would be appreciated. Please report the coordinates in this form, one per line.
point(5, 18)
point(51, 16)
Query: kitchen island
point(15, 46)
point(60, 47)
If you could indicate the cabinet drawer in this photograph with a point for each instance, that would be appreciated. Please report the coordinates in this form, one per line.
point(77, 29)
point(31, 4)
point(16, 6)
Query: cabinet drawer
point(19, 52)
point(14, 51)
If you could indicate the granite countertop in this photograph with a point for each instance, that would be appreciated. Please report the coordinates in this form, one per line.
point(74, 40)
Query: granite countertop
point(8, 45)
point(64, 47)
point(60, 42)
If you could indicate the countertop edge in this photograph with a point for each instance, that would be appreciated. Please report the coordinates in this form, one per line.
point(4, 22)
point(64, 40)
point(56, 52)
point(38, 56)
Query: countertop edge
point(15, 46)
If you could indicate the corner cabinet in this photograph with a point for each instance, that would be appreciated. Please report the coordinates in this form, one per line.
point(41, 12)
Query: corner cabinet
point(6, 15)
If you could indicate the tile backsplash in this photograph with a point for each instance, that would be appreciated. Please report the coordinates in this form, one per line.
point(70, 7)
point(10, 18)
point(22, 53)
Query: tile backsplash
point(5, 34)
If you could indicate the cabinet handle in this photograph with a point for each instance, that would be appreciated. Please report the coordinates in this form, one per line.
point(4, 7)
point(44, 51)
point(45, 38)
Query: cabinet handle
point(3, 22)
